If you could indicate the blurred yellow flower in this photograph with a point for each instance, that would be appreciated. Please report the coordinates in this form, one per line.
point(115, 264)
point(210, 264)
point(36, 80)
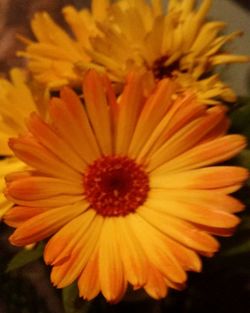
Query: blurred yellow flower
point(17, 102)
point(180, 44)
point(117, 37)
point(126, 186)
point(53, 58)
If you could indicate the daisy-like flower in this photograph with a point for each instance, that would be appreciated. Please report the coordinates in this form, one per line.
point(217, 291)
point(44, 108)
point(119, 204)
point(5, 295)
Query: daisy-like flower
point(53, 58)
point(126, 187)
point(17, 102)
point(126, 34)
point(181, 44)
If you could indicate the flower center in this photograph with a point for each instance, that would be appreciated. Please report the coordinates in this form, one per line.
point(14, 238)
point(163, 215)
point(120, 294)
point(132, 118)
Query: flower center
point(115, 186)
point(160, 70)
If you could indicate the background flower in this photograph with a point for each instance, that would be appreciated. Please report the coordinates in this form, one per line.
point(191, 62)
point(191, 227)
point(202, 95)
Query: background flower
point(116, 37)
point(17, 102)
point(181, 44)
point(53, 58)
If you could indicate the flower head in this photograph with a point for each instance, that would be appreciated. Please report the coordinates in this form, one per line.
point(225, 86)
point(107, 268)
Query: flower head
point(17, 102)
point(54, 57)
point(125, 187)
point(180, 44)
point(123, 35)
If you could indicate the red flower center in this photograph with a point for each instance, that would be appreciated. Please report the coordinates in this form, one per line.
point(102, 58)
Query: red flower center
point(115, 186)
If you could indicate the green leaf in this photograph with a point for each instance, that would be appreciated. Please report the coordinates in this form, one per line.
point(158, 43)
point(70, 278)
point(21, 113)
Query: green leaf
point(244, 158)
point(245, 223)
point(71, 301)
point(241, 117)
point(241, 248)
point(24, 257)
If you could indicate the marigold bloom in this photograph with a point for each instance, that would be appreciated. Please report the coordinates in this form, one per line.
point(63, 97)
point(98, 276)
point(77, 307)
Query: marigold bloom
point(126, 187)
point(17, 102)
point(180, 44)
point(54, 57)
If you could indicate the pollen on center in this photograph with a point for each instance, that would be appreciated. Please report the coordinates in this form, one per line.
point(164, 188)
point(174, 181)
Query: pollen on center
point(116, 185)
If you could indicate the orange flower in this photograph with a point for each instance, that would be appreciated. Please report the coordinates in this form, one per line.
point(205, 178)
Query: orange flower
point(126, 187)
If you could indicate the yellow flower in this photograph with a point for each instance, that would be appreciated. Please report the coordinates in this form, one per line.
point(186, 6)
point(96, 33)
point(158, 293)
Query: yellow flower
point(17, 102)
point(117, 37)
point(181, 44)
point(54, 57)
point(126, 186)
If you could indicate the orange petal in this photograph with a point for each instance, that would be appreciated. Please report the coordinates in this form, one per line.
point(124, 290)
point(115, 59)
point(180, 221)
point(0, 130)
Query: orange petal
point(183, 110)
point(79, 135)
point(45, 224)
point(181, 231)
point(223, 232)
point(20, 214)
point(38, 187)
point(134, 259)
point(34, 154)
point(186, 138)
point(53, 142)
point(156, 286)
point(213, 199)
point(60, 246)
point(188, 259)
point(218, 150)
point(150, 117)
point(50, 202)
point(67, 270)
point(89, 280)
point(190, 212)
point(111, 271)
point(156, 249)
point(130, 105)
point(203, 178)
point(98, 110)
